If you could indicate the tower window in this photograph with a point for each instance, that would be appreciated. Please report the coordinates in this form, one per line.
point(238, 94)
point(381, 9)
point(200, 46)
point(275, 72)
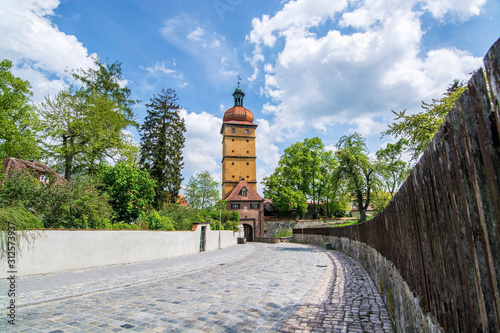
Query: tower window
point(233, 130)
point(232, 151)
point(248, 163)
point(232, 140)
point(248, 176)
point(232, 163)
point(247, 131)
point(244, 192)
point(233, 176)
point(247, 151)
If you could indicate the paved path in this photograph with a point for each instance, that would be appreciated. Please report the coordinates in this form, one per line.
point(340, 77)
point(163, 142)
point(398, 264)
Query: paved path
point(245, 288)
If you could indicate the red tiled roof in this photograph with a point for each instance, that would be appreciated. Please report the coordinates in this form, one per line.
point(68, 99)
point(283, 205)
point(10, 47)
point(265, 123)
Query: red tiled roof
point(235, 194)
point(238, 114)
point(16, 165)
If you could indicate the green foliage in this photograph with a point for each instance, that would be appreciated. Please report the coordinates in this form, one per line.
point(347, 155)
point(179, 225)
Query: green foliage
point(162, 140)
point(78, 205)
point(229, 219)
point(303, 172)
point(17, 219)
point(283, 233)
point(202, 191)
point(420, 128)
point(18, 122)
point(125, 225)
point(130, 191)
point(392, 171)
point(356, 170)
point(380, 200)
point(83, 127)
point(182, 217)
point(155, 221)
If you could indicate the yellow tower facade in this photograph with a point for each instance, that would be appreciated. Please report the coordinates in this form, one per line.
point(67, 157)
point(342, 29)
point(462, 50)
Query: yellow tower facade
point(238, 146)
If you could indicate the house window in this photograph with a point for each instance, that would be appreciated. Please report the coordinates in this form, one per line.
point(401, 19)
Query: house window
point(244, 192)
point(245, 208)
point(247, 131)
point(44, 178)
point(254, 206)
point(235, 206)
point(233, 130)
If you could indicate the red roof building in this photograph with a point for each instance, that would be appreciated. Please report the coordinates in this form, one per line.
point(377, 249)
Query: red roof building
point(41, 171)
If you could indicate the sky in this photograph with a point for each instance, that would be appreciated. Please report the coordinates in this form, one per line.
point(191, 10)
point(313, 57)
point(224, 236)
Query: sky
point(324, 68)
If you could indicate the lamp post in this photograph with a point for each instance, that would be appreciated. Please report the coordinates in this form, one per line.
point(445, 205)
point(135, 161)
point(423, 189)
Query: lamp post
point(220, 212)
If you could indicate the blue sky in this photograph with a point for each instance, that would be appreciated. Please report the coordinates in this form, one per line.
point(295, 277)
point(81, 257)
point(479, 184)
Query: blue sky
point(321, 68)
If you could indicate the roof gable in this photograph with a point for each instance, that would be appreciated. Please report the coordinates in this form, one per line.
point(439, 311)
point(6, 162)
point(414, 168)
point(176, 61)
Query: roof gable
point(16, 165)
point(235, 194)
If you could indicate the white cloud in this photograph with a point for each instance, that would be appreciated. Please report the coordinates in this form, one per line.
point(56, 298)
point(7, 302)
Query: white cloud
point(203, 147)
point(30, 40)
point(366, 61)
point(196, 35)
point(463, 9)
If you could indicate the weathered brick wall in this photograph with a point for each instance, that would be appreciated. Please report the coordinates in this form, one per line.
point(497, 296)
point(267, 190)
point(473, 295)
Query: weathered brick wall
point(441, 231)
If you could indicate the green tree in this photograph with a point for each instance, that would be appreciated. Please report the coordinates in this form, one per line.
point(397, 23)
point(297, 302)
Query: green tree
point(84, 127)
point(420, 128)
point(391, 169)
point(18, 121)
point(303, 168)
point(162, 140)
point(130, 191)
point(155, 221)
point(284, 194)
point(76, 205)
point(356, 170)
point(202, 191)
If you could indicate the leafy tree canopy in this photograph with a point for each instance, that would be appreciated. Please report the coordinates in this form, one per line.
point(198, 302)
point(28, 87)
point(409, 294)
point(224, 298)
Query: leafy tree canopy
point(392, 170)
point(130, 191)
point(18, 122)
point(202, 191)
point(420, 128)
point(86, 126)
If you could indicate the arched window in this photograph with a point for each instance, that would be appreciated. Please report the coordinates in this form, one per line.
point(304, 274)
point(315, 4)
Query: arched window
point(244, 192)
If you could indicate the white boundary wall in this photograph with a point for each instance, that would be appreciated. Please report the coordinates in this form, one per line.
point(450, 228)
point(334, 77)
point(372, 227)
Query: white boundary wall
point(61, 250)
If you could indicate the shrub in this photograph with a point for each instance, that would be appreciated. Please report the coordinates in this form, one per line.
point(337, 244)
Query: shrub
point(283, 233)
point(17, 218)
point(182, 217)
point(76, 205)
point(124, 225)
point(130, 190)
point(155, 221)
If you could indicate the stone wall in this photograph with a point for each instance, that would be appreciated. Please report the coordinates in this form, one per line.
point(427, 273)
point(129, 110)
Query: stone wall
point(407, 314)
point(60, 250)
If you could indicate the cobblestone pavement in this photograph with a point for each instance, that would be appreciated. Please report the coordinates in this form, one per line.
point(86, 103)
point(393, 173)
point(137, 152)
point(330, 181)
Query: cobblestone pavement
point(245, 288)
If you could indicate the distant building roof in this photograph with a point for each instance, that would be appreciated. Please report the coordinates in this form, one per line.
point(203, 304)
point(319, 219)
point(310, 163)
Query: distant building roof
point(16, 165)
point(236, 193)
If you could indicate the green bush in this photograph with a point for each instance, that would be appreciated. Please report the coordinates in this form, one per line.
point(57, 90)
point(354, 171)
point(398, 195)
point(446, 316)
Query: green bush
point(130, 190)
point(76, 205)
point(155, 221)
point(182, 217)
point(283, 233)
point(17, 218)
point(124, 225)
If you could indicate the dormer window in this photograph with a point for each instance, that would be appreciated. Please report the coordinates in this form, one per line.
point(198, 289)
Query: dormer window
point(244, 192)
point(44, 178)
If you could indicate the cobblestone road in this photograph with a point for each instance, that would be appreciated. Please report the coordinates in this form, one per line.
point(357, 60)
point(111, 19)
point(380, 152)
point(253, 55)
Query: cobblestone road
point(245, 288)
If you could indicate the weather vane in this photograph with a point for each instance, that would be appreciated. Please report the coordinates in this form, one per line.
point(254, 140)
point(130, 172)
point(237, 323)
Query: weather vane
point(239, 79)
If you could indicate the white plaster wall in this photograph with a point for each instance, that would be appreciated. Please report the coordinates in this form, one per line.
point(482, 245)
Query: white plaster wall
point(60, 250)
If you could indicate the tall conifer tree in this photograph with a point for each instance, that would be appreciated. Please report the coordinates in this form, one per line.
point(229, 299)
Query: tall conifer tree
point(162, 140)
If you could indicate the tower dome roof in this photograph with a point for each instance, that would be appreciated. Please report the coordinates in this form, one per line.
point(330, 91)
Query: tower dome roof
point(238, 114)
